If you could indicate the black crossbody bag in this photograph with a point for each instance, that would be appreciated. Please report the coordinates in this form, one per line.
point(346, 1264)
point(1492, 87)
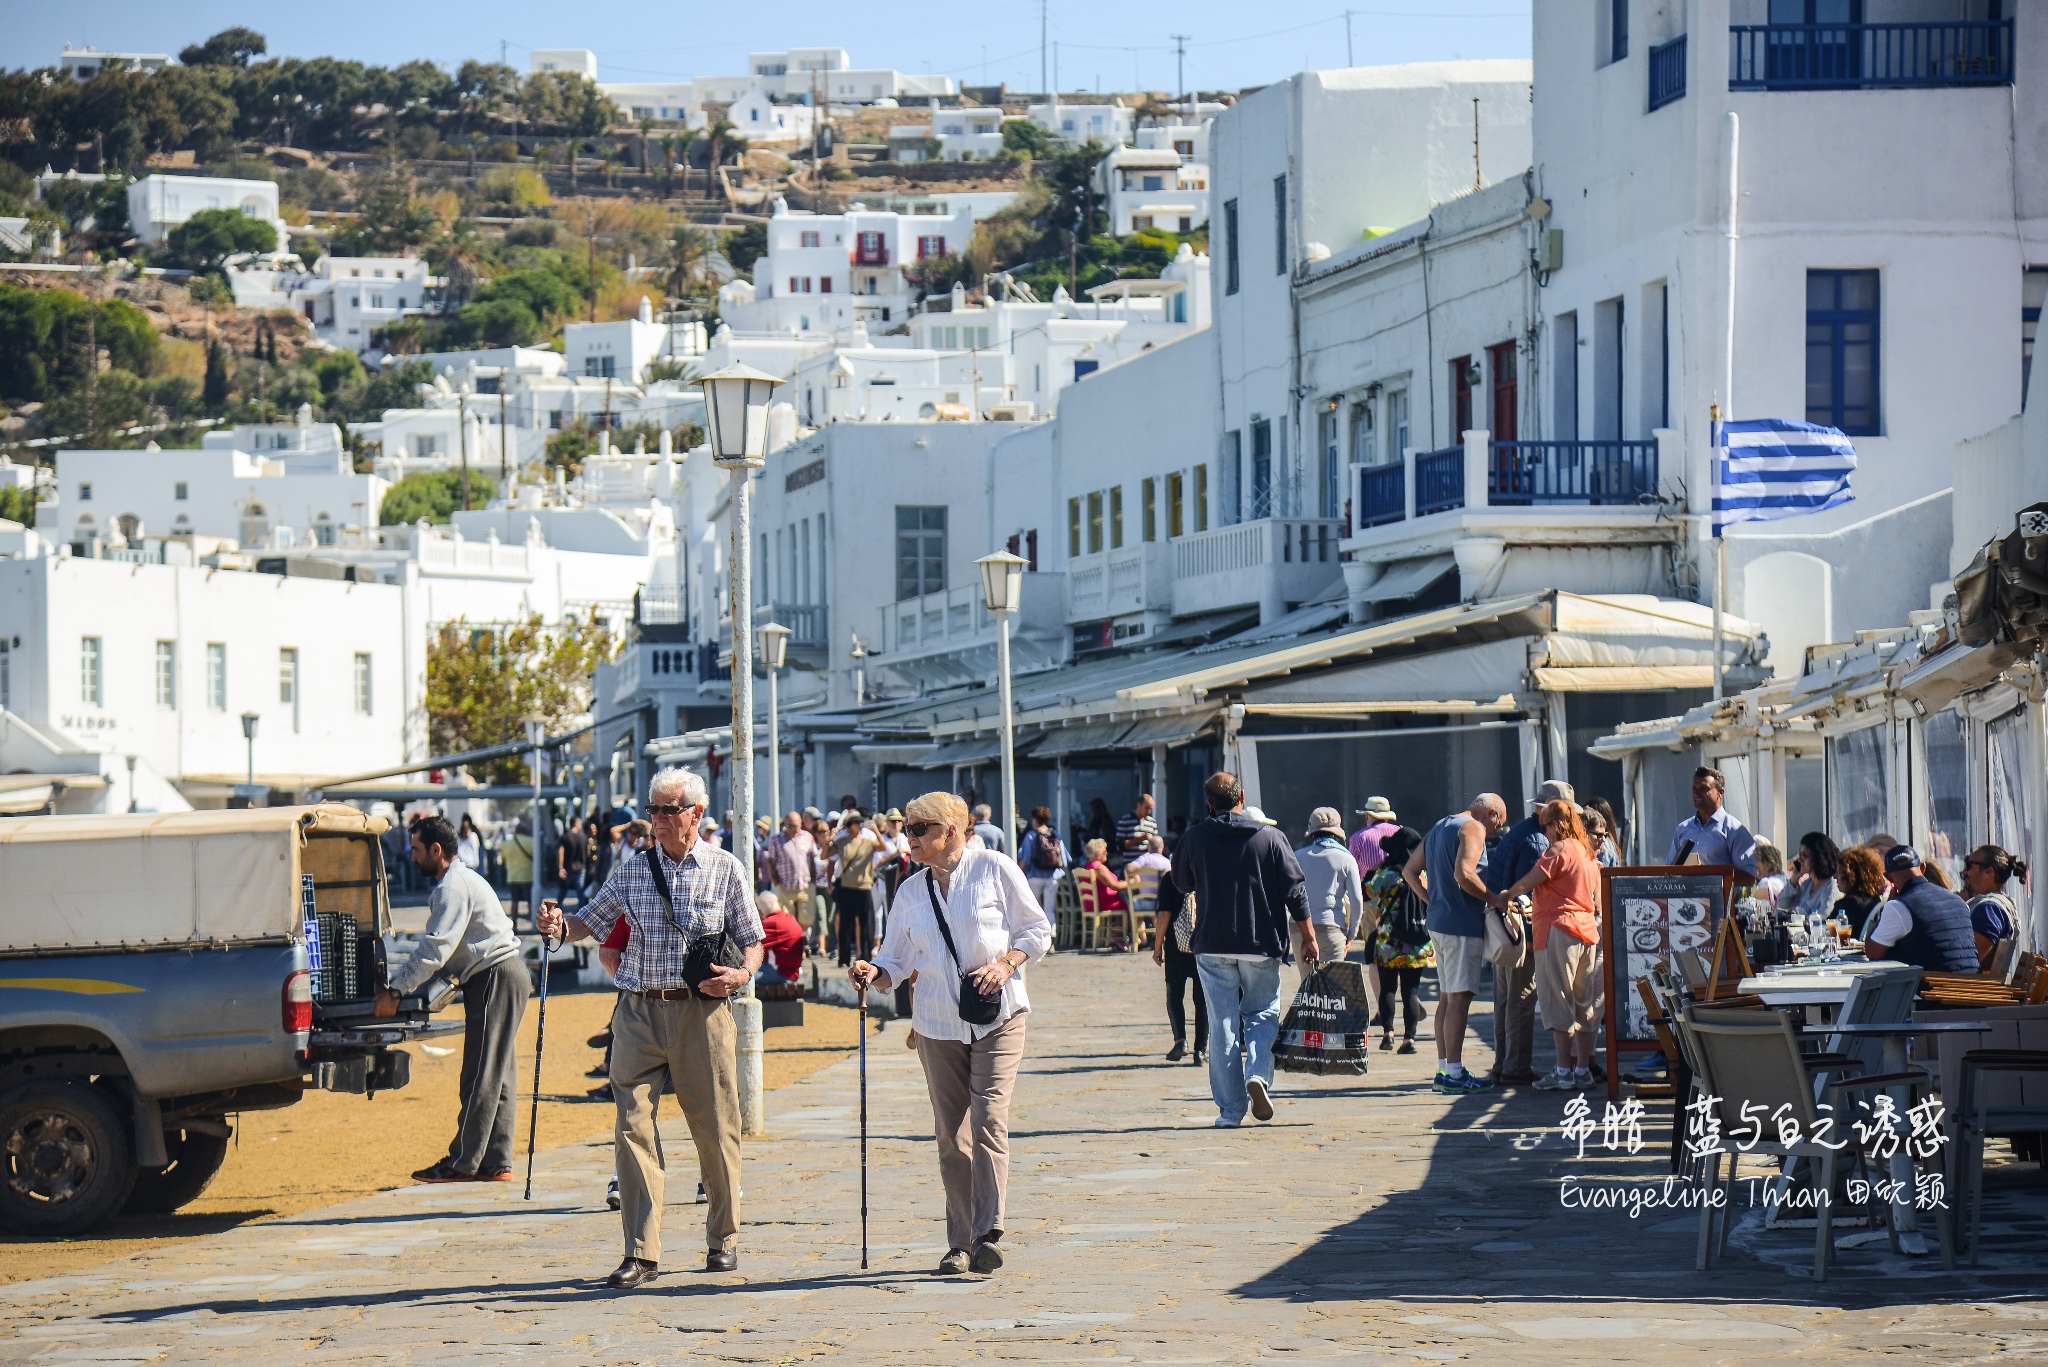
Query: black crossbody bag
point(702, 953)
point(975, 1008)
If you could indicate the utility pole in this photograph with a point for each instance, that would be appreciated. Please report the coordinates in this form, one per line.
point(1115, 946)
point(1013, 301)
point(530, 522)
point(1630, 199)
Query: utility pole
point(1041, 46)
point(1475, 143)
point(1348, 61)
point(1180, 63)
point(462, 436)
point(590, 240)
point(504, 434)
point(501, 53)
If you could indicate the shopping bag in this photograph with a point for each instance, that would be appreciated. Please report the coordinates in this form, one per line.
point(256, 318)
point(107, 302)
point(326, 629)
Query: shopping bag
point(1328, 1028)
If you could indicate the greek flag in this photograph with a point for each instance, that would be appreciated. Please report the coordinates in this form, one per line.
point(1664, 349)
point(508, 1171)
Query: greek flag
point(1768, 468)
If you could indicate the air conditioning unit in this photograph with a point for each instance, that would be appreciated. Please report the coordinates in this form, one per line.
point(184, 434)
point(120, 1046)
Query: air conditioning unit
point(1550, 250)
point(1012, 412)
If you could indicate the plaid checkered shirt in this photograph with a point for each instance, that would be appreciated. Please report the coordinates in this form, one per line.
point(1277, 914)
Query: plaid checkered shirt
point(710, 892)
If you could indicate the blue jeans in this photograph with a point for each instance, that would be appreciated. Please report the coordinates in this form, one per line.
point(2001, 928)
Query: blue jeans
point(1244, 1010)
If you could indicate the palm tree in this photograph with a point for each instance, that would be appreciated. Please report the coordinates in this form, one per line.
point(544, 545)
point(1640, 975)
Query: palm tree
point(719, 133)
point(668, 161)
point(684, 140)
point(689, 254)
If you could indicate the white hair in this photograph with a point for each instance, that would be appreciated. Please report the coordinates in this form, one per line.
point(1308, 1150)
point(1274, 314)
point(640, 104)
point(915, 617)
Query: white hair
point(684, 783)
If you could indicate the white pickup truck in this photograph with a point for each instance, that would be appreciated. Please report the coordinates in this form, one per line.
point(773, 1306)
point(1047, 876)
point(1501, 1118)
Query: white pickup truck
point(161, 973)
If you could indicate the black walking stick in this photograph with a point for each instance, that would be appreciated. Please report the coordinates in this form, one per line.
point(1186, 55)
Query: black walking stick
point(540, 1041)
point(863, 994)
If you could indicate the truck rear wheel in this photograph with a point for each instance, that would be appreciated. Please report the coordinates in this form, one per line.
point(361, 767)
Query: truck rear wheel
point(195, 1158)
point(66, 1161)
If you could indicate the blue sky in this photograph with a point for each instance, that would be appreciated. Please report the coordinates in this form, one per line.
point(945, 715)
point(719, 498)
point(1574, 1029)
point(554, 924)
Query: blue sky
point(1230, 45)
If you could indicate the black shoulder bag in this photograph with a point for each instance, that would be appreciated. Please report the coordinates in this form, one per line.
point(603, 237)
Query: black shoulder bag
point(975, 1008)
point(702, 953)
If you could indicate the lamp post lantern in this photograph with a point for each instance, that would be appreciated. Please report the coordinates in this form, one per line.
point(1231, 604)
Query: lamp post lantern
point(774, 650)
point(1002, 584)
point(736, 422)
point(250, 721)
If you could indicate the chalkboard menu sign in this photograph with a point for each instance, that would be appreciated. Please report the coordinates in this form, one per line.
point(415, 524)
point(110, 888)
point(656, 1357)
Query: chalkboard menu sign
point(1647, 913)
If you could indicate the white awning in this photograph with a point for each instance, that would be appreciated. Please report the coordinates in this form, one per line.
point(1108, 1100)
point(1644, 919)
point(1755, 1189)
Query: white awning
point(1074, 740)
point(1407, 579)
point(892, 754)
point(977, 750)
point(1175, 730)
point(1937, 682)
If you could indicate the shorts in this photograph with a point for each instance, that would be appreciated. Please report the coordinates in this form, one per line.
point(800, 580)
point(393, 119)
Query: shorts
point(1568, 983)
point(1458, 961)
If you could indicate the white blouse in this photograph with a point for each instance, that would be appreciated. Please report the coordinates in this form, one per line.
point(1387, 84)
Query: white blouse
point(991, 910)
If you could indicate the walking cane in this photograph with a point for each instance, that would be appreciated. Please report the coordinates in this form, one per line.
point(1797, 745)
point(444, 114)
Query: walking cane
point(540, 1040)
point(862, 993)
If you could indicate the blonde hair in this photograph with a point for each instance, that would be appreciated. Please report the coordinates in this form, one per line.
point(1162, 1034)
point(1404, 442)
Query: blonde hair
point(1096, 849)
point(1769, 859)
point(942, 807)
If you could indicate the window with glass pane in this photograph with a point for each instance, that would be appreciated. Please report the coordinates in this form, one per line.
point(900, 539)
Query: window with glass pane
point(1151, 510)
point(89, 657)
point(1201, 498)
point(1363, 447)
point(1397, 425)
point(364, 698)
point(1841, 350)
point(1073, 527)
point(1328, 428)
point(920, 551)
point(1262, 469)
point(2005, 755)
point(1094, 523)
point(1116, 518)
point(6, 679)
point(1174, 487)
point(1856, 785)
point(166, 673)
point(217, 676)
point(288, 681)
point(1948, 790)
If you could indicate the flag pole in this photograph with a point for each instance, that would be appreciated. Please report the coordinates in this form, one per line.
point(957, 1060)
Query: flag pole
point(1720, 549)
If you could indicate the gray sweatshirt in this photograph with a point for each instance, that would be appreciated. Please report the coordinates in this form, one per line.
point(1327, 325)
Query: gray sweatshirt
point(467, 931)
point(1330, 878)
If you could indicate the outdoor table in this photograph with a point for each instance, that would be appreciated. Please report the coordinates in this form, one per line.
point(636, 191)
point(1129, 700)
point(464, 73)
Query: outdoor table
point(1894, 1038)
point(1812, 984)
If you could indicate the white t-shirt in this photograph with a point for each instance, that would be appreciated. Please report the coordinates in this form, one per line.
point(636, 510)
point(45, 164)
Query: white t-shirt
point(1894, 923)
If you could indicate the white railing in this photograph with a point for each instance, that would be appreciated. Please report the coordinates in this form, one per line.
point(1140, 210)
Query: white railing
point(1119, 582)
point(451, 553)
point(937, 618)
point(1271, 562)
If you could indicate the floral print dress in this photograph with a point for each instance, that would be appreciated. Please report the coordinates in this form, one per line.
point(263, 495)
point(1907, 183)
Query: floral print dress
point(1383, 891)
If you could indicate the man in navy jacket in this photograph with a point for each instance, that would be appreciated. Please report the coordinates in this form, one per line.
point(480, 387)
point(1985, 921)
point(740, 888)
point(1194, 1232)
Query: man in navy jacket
point(1247, 889)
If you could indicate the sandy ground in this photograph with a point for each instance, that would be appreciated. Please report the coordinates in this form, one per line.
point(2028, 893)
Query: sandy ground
point(333, 1147)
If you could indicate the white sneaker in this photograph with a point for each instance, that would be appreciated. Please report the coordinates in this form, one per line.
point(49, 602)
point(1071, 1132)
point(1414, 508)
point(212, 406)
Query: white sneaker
point(1554, 1081)
point(1262, 1104)
point(1582, 1078)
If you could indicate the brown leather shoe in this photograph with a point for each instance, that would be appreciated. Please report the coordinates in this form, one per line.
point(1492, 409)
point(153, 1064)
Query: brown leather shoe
point(1513, 1079)
point(717, 1261)
point(632, 1272)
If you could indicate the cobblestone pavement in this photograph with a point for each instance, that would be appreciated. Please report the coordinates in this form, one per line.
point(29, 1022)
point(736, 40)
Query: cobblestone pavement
point(1370, 1221)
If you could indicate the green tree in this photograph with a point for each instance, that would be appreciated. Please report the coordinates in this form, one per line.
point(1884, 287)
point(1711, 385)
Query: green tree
point(745, 247)
point(484, 682)
point(230, 47)
point(211, 236)
point(393, 220)
point(214, 392)
point(433, 495)
point(1028, 140)
point(17, 505)
point(688, 260)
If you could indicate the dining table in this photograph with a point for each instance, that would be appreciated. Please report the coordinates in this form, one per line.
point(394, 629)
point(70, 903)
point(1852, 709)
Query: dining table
point(1895, 1041)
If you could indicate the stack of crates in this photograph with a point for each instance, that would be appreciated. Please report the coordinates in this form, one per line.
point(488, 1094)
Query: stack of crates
point(341, 967)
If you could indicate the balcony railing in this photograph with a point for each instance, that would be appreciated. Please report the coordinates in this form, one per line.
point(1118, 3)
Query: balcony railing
point(1269, 562)
point(1520, 473)
point(876, 255)
point(1382, 495)
point(1667, 72)
point(1439, 480)
point(806, 623)
point(1856, 56)
point(662, 605)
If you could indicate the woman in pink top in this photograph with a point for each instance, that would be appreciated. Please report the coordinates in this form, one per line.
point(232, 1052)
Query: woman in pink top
point(1565, 887)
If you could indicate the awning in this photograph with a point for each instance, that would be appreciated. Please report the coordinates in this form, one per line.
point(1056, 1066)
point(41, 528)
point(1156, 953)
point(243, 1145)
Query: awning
point(1623, 678)
point(21, 793)
point(1937, 682)
point(1408, 578)
point(974, 750)
point(1176, 730)
point(892, 754)
point(1075, 740)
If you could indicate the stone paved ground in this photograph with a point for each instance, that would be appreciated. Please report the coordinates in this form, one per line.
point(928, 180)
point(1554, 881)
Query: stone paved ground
point(1371, 1221)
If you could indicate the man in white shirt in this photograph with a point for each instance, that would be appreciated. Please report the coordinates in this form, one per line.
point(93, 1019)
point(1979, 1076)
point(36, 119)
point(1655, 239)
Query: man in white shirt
point(968, 916)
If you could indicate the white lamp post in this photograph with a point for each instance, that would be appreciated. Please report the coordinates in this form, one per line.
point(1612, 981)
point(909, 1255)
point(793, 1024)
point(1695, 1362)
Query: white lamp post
point(536, 728)
point(736, 421)
point(1002, 585)
point(774, 649)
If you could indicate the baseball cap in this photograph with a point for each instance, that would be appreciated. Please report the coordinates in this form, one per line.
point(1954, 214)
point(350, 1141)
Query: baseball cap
point(1326, 819)
point(1556, 790)
point(1899, 858)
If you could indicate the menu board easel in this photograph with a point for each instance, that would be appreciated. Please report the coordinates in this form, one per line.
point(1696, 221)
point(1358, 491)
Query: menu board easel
point(1646, 912)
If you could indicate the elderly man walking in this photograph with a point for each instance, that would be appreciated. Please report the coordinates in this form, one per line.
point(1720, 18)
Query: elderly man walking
point(1444, 871)
point(673, 1025)
point(792, 868)
point(1248, 888)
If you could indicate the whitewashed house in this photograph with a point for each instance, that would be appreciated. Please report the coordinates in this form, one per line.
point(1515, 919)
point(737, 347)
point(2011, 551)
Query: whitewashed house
point(1077, 124)
point(158, 203)
point(825, 272)
point(84, 63)
point(348, 298)
point(580, 61)
point(1152, 188)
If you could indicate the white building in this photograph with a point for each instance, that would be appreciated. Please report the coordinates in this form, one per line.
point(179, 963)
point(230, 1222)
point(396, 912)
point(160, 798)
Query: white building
point(1109, 124)
point(580, 61)
point(1186, 137)
point(761, 118)
point(826, 272)
point(108, 660)
point(158, 203)
point(84, 63)
point(1152, 188)
point(348, 298)
point(259, 487)
point(623, 349)
point(974, 134)
point(801, 76)
point(1881, 279)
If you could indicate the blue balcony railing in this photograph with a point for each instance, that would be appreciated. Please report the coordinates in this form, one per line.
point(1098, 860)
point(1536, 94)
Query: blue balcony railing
point(1596, 472)
point(1382, 495)
point(1853, 56)
point(1439, 480)
point(1667, 72)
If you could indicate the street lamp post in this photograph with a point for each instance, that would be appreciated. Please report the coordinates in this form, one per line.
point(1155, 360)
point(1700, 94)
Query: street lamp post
point(736, 421)
point(774, 649)
point(1002, 584)
point(536, 727)
point(250, 720)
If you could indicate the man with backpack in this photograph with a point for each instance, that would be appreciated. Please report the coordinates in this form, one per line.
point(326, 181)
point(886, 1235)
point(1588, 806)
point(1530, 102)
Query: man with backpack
point(1043, 857)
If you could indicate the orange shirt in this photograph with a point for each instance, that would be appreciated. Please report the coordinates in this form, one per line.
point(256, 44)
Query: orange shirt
point(1569, 895)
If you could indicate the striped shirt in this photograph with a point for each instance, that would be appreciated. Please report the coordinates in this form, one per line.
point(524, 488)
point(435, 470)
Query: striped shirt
point(792, 860)
point(709, 888)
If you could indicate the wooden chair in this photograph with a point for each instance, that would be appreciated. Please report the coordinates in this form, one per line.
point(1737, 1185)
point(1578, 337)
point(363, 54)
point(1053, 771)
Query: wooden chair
point(1066, 910)
point(1092, 914)
point(1142, 892)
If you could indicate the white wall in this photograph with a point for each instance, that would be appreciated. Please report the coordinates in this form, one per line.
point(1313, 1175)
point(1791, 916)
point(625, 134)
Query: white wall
point(223, 490)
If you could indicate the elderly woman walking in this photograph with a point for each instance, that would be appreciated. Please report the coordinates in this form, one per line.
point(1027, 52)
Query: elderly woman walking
point(965, 924)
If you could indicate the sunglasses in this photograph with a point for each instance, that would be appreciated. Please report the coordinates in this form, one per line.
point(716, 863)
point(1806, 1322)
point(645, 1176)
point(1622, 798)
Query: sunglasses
point(667, 809)
point(916, 830)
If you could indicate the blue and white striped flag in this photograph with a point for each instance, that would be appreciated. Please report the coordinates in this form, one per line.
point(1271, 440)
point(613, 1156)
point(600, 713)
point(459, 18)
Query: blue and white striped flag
point(1768, 468)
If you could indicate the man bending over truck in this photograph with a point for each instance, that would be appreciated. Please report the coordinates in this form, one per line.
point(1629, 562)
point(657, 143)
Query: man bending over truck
point(469, 938)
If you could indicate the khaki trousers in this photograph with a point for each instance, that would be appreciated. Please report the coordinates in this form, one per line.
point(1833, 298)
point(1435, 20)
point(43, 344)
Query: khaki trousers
point(689, 1043)
point(970, 1085)
point(797, 902)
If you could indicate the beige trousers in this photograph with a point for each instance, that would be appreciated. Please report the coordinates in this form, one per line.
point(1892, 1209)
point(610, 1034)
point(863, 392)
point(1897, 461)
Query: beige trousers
point(797, 902)
point(970, 1086)
point(690, 1043)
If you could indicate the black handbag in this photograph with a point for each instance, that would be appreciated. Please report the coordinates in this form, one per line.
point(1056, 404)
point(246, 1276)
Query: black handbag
point(701, 953)
point(975, 1008)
